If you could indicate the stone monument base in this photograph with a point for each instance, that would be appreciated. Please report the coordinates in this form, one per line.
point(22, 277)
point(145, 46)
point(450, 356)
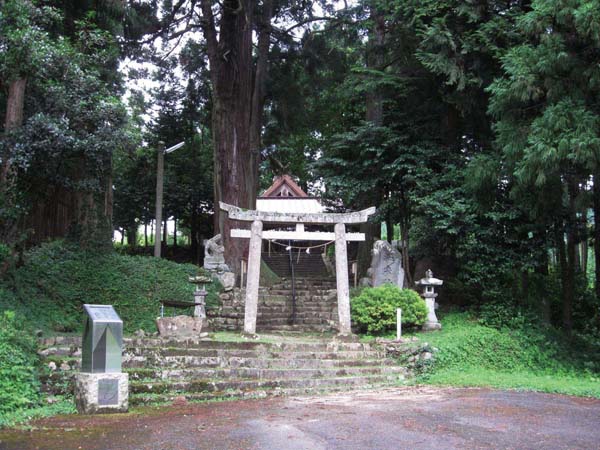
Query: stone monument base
point(98, 393)
point(432, 326)
point(180, 326)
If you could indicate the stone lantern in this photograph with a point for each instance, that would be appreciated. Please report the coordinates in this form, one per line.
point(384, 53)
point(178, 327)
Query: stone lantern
point(429, 295)
point(200, 295)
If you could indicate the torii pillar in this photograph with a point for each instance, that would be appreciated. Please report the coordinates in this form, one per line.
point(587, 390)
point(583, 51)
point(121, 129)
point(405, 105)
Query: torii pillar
point(253, 278)
point(341, 278)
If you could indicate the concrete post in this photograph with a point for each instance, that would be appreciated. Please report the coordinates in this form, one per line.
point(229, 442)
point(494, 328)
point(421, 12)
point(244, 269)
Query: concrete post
point(341, 275)
point(253, 277)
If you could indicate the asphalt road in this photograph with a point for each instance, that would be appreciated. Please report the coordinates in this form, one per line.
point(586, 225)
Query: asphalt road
point(403, 418)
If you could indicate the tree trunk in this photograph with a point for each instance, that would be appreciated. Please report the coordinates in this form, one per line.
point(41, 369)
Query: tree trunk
point(194, 245)
point(373, 114)
point(165, 234)
point(174, 232)
point(231, 67)
point(372, 233)
point(14, 119)
point(596, 205)
point(145, 234)
point(541, 269)
point(571, 260)
point(132, 236)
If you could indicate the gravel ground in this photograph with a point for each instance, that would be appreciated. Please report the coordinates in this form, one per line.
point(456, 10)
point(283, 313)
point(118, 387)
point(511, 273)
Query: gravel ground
point(399, 418)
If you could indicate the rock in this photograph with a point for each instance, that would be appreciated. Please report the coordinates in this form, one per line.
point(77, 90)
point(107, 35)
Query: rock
point(227, 279)
point(51, 399)
point(52, 366)
point(426, 356)
point(39, 333)
point(140, 334)
point(179, 326)
point(180, 400)
point(203, 335)
point(65, 366)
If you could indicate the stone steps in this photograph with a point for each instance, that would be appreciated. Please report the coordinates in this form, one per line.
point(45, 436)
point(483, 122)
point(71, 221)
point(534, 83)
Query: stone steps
point(232, 394)
point(161, 370)
point(195, 373)
point(215, 386)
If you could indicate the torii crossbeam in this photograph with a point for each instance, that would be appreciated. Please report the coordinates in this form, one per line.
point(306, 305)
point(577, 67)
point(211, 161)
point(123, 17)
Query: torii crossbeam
point(255, 234)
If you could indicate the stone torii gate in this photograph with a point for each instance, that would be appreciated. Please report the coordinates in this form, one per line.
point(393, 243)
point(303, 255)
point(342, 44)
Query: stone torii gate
point(256, 235)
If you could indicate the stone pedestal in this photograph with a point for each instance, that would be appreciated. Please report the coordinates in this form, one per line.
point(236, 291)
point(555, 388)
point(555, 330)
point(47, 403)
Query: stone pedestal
point(180, 326)
point(97, 393)
point(432, 320)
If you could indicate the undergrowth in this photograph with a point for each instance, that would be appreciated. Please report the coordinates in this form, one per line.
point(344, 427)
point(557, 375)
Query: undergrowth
point(56, 279)
point(533, 358)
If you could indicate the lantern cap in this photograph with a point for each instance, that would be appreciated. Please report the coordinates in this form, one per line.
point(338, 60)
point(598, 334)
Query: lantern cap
point(429, 280)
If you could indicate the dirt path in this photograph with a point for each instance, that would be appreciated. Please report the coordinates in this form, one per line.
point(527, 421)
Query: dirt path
point(404, 418)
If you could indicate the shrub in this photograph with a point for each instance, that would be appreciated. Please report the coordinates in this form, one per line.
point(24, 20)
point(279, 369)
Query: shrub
point(19, 386)
point(374, 309)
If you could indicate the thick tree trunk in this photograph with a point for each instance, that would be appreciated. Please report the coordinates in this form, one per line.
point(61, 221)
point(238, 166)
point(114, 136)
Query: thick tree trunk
point(373, 114)
point(596, 196)
point(231, 64)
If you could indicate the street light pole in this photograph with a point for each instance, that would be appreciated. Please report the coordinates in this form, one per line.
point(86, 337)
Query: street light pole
point(160, 170)
point(160, 174)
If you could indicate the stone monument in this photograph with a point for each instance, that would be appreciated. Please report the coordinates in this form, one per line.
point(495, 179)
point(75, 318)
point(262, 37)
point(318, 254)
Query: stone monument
point(101, 387)
point(386, 264)
point(214, 262)
point(429, 295)
point(213, 254)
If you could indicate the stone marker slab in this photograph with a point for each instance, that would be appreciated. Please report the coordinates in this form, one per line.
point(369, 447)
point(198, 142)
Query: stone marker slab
point(386, 265)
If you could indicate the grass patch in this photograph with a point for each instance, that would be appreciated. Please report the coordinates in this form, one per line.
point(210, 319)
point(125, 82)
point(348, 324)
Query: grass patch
point(471, 354)
point(63, 405)
point(56, 279)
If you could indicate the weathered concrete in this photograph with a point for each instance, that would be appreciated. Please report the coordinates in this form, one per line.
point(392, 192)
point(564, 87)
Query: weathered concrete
point(97, 393)
point(400, 418)
point(341, 276)
point(354, 217)
point(252, 284)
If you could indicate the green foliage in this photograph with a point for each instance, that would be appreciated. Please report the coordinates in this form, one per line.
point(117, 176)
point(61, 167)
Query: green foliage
point(374, 309)
point(19, 385)
point(56, 280)
point(471, 354)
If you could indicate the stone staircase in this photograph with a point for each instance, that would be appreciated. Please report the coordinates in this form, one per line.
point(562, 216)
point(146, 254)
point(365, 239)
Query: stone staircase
point(161, 370)
point(306, 265)
point(315, 308)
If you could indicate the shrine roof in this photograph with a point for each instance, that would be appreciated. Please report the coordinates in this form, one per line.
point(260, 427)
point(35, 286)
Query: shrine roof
point(284, 186)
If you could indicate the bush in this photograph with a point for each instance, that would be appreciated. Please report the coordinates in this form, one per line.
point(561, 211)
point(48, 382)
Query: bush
point(19, 385)
point(374, 309)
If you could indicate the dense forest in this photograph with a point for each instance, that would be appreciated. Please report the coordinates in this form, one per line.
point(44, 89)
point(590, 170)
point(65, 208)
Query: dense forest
point(473, 126)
